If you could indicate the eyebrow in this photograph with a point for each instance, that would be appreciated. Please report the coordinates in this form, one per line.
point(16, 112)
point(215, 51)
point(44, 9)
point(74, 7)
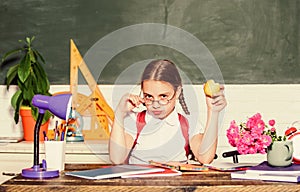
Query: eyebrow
point(166, 93)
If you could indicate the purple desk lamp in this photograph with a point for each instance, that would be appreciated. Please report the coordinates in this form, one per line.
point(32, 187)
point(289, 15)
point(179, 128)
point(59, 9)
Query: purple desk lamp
point(58, 105)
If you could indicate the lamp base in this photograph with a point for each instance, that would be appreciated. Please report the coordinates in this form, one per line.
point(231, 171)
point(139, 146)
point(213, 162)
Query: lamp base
point(37, 172)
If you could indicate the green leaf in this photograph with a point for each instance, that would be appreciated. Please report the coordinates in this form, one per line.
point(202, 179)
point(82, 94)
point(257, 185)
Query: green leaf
point(31, 56)
point(32, 38)
point(11, 74)
point(24, 68)
point(28, 40)
point(47, 116)
point(9, 53)
point(35, 113)
point(14, 98)
point(38, 55)
point(17, 116)
point(29, 90)
point(21, 85)
point(40, 87)
point(36, 83)
point(16, 102)
point(42, 78)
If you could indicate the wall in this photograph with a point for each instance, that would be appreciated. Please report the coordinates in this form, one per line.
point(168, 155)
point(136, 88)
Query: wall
point(279, 102)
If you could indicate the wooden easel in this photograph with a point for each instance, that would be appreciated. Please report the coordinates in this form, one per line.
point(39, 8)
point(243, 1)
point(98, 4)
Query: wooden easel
point(93, 105)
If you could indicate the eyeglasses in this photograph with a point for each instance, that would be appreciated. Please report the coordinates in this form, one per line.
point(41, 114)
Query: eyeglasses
point(162, 101)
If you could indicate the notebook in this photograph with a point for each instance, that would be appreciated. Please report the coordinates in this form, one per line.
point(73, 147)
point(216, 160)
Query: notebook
point(267, 169)
point(114, 171)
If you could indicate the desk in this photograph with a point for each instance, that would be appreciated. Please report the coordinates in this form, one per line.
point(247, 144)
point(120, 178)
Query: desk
point(189, 181)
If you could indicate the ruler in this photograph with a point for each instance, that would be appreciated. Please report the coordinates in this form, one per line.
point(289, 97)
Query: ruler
point(95, 105)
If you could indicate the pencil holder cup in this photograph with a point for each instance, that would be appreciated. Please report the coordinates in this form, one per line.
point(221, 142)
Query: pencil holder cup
point(55, 154)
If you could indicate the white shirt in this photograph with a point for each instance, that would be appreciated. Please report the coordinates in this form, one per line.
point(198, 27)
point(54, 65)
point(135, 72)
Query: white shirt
point(160, 140)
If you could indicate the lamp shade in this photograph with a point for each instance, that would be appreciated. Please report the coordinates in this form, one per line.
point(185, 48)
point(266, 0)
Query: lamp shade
point(59, 105)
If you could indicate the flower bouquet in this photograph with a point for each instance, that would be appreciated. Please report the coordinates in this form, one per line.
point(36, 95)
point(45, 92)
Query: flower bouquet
point(252, 136)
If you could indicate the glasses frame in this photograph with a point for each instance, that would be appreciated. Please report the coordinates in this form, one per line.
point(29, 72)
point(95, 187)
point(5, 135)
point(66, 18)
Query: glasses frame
point(158, 101)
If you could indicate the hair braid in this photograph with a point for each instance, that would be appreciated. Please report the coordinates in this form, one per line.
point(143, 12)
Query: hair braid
point(183, 104)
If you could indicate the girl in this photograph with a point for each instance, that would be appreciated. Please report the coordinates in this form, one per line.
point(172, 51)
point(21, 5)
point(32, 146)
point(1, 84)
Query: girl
point(162, 136)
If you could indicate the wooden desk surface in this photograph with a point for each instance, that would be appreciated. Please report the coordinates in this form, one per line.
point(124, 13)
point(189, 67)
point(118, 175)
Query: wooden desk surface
point(189, 181)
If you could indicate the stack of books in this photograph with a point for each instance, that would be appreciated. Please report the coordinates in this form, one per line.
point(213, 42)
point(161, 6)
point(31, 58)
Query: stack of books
point(265, 172)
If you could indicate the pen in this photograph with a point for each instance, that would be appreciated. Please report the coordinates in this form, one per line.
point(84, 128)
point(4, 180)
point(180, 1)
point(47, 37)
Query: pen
point(9, 174)
point(56, 123)
point(45, 136)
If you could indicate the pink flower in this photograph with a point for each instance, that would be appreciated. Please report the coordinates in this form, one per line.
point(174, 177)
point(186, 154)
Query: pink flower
point(252, 149)
point(266, 140)
point(273, 130)
point(272, 122)
point(247, 139)
point(250, 137)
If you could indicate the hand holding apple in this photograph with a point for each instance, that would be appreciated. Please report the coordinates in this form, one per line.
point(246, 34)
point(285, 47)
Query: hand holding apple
point(211, 88)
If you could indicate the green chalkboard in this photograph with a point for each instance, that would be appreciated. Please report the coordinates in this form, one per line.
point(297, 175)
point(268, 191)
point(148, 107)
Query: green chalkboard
point(252, 41)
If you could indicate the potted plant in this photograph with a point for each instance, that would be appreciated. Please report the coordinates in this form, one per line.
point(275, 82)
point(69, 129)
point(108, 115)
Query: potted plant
point(30, 77)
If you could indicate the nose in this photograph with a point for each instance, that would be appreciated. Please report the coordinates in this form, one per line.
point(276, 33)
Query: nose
point(155, 104)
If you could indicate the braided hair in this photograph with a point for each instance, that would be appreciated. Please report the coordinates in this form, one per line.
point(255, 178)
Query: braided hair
point(165, 70)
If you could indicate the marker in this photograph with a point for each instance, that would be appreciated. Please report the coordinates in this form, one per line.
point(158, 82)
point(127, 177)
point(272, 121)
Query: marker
point(62, 136)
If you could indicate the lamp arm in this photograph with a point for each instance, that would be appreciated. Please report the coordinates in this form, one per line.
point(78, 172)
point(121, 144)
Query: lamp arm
point(37, 138)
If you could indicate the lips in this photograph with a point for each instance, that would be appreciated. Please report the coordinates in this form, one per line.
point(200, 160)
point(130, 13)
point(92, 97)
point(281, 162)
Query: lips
point(157, 112)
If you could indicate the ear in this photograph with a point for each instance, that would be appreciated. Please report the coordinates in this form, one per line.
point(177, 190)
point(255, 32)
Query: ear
point(178, 91)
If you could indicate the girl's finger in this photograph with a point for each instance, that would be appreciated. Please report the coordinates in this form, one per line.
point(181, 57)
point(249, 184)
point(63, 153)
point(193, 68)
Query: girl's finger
point(135, 100)
point(218, 99)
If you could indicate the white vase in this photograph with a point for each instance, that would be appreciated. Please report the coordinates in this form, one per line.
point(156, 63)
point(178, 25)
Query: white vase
point(280, 153)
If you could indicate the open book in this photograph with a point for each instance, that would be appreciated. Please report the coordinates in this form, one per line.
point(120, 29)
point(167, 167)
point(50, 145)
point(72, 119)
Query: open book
point(114, 171)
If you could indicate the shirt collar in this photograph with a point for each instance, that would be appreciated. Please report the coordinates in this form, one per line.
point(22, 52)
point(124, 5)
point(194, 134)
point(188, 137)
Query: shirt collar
point(171, 119)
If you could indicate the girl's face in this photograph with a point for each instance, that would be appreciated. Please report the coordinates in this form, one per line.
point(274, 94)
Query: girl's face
point(160, 98)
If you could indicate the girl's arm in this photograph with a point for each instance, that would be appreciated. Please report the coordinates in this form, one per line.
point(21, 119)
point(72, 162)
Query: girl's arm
point(204, 145)
point(120, 142)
